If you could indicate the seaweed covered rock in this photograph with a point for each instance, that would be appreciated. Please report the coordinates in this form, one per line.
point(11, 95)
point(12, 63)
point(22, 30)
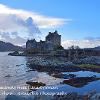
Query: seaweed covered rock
point(35, 84)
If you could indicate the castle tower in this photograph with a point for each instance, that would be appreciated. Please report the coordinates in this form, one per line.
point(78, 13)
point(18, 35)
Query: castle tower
point(54, 38)
point(30, 44)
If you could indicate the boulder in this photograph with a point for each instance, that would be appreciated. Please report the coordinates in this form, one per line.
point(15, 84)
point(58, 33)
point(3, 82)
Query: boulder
point(35, 84)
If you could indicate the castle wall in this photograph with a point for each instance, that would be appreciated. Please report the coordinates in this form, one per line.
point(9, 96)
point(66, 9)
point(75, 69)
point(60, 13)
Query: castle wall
point(52, 40)
point(31, 44)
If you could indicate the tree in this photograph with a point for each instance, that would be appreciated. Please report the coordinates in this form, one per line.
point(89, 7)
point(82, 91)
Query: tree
point(73, 52)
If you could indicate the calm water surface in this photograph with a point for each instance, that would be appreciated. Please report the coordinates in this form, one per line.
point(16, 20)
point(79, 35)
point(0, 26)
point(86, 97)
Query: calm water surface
point(15, 72)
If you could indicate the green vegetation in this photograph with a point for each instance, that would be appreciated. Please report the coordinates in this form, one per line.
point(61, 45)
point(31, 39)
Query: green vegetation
point(88, 66)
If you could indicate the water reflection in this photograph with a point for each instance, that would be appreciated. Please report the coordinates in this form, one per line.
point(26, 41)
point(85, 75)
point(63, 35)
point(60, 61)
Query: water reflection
point(16, 71)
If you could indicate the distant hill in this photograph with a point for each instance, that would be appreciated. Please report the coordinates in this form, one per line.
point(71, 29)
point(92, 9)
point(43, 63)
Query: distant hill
point(97, 48)
point(5, 46)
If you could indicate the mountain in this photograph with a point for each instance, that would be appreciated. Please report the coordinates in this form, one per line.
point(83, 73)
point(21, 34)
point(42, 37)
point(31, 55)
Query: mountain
point(5, 46)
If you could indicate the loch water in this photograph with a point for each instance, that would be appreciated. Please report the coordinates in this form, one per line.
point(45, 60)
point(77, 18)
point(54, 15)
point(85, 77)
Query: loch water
point(14, 71)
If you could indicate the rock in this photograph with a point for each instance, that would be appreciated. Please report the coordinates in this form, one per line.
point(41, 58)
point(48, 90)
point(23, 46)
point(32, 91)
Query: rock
point(15, 53)
point(65, 76)
point(50, 65)
point(35, 84)
point(8, 75)
point(80, 81)
point(41, 61)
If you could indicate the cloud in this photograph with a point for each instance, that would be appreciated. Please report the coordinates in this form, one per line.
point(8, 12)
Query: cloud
point(12, 38)
point(92, 38)
point(41, 20)
point(84, 43)
point(18, 24)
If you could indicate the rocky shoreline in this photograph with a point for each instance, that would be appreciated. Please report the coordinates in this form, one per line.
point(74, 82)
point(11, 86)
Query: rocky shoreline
point(61, 64)
point(52, 64)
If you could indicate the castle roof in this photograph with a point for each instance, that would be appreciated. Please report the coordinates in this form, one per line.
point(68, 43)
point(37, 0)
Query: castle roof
point(33, 40)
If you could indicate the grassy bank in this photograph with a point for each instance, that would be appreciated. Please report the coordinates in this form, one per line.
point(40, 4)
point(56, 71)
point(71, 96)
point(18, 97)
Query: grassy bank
point(94, 68)
point(88, 66)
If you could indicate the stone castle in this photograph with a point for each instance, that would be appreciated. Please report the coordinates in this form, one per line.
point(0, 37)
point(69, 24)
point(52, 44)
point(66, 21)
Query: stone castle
point(52, 41)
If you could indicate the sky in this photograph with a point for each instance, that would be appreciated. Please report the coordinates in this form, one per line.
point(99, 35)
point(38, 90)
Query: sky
point(78, 21)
